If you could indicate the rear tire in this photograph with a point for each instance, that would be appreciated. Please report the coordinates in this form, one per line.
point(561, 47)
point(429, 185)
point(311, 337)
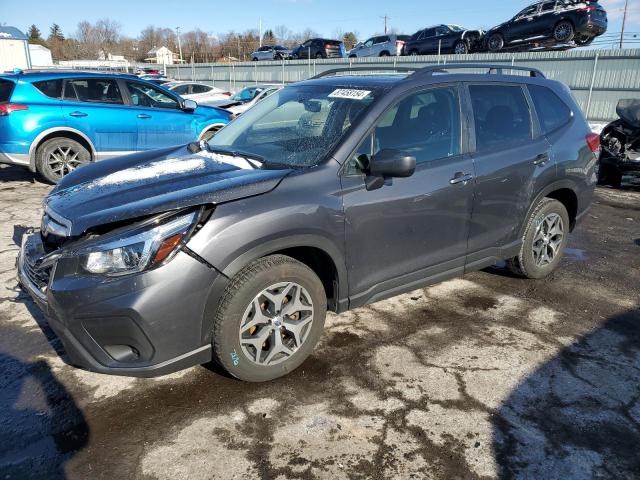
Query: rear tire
point(564, 32)
point(58, 157)
point(384, 54)
point(413, 53)
point(259, 345)
point(319, 55)
point(460, 48)
point(544, 241)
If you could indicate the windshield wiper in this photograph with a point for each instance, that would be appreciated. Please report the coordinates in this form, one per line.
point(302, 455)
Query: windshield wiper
point(252, 158)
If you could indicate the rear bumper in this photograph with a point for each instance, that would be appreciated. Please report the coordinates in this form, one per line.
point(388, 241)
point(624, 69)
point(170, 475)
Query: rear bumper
point(142, 325)
point(591, 28)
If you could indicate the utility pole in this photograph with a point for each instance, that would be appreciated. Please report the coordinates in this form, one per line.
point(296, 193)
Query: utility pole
point(179, 43)
point(386, 17)
point(624, 22)
point(260, 29)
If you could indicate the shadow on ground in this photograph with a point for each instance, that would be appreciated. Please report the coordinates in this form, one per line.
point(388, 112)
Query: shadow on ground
point(41, 427)
point(578, 416)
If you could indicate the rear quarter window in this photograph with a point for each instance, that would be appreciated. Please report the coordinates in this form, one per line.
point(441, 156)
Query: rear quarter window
point(50, 88)
point(553, 113)
point(6, 89)
point(502, 117)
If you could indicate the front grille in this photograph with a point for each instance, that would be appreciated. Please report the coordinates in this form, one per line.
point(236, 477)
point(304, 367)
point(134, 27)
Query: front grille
point(38, 276)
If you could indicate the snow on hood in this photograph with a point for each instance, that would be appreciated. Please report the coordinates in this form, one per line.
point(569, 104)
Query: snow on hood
point(150, 171)
point(167, 167)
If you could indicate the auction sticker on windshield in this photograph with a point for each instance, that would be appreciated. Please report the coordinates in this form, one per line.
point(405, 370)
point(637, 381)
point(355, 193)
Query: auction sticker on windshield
point(349, 93)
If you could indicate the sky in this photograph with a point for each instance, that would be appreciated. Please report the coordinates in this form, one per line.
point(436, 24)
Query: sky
point(323, 16)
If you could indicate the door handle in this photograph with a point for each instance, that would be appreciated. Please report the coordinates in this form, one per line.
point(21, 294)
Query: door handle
point(461, 177)
point(541, 159)
point(79, 114)
point(144, 115)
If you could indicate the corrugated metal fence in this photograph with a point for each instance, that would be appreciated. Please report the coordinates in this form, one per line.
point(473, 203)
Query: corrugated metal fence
point(598, 78)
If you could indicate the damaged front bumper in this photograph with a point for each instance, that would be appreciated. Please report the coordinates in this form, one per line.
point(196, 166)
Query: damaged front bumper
point(141, 325)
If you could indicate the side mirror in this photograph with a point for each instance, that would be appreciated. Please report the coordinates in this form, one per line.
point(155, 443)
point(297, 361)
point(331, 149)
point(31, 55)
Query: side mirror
point(189, 105)
point(389, 164)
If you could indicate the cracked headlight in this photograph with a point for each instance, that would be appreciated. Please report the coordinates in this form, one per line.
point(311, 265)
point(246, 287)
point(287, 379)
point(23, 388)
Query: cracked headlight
point(139, 249)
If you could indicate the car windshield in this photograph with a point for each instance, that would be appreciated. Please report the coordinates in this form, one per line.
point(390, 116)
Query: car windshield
point(246, 94)
point(296, 126)
point(455, 28)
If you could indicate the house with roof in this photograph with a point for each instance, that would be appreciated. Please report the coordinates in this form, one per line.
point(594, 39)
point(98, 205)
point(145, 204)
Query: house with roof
point(161, 56)
point(14, 49)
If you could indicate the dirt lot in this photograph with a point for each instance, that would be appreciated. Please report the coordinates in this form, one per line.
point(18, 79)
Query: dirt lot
point(485, 376)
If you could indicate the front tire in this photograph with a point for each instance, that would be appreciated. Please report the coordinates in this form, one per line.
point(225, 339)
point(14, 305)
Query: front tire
point(58, 157)
point(544, 241)
point(609, 175)
point(269, 320)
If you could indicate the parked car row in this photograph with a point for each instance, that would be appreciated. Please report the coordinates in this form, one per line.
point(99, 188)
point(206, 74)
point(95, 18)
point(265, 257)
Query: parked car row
point(541, 25)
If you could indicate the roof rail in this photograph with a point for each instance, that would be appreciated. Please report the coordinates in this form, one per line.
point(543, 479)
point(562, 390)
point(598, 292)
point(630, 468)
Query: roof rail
point(364, 69)
point(431, 69)
point(493, 69)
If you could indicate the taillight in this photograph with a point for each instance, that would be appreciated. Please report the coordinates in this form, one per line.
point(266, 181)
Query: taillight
point(328, 46)
point(593, 141)
point(399, 44)
point(589, 8)
point(228, 94)
point(7, 108)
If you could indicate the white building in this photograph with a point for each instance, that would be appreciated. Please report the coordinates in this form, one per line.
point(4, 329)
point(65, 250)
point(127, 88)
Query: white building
point(40, 56)
point(14, 49)
point(161, 56)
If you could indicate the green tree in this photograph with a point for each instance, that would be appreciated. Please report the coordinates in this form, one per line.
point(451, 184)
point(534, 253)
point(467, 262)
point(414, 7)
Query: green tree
point(55, 32)
point(57, 43)
point(268, 38)
point(34, 34)
point(349, 39)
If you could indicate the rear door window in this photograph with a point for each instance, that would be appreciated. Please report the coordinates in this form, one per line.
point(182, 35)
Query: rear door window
point(6, 89)
point(93, 90)
point(50, 88)
point(553, 113)
point(501, 115)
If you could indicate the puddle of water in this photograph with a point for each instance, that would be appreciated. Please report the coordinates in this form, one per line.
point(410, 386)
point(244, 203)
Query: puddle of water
point(576, 254)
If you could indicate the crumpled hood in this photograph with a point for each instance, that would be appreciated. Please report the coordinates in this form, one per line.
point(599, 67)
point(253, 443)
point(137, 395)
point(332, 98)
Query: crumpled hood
point(154, 182)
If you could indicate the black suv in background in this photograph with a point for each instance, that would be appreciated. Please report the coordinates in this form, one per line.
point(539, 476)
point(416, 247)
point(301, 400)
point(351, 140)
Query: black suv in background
point(319, 48)
point(550, 23)
point(443, 39)
point(331, 193)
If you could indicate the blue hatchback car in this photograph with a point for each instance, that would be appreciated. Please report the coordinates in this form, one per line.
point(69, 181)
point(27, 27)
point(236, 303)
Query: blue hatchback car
point(53, 122)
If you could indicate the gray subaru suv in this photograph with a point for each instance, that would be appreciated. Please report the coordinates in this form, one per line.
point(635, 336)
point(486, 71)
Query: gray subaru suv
point(330, 194)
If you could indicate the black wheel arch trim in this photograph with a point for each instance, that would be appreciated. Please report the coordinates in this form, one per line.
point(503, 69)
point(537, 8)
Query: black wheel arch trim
point(243, 258)
point(558, 185)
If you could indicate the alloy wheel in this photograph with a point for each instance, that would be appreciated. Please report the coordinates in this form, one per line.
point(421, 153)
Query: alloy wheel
point(276, 323)
point(563, 31)
point(64, 160)
point(460, 48)
point(548, 239)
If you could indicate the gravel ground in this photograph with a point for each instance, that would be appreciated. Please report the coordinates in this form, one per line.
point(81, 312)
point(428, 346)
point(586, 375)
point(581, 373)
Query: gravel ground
point(487, 376)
